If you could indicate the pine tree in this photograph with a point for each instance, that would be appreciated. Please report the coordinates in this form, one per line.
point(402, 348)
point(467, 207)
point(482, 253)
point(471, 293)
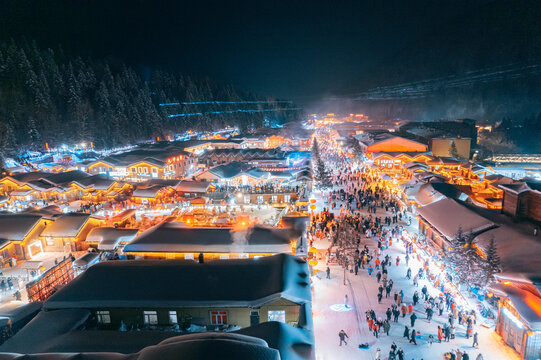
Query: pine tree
point(455, 255)
point(315, 150)
point(492, 264)
point(322, 175)
point(453, 150)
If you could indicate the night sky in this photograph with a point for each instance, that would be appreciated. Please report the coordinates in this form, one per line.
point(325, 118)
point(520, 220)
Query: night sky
point(293, 49)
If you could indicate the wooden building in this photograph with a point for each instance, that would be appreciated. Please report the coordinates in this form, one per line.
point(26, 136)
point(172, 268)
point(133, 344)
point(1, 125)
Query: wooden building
point(19, 234)
point(175, 240)
point(68, 232)
point(522, 200)
point(217, 295)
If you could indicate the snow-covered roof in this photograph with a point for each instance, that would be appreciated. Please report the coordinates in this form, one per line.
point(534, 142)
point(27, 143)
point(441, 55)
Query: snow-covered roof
point(193, 186)
point(447, 216)
point(177, 237)
point(86, 259)
point(108, 237)
point(49, 212)
point(97, 182)
point(63, 341)
point(526, 303)
point(67, 225)
point(142, 283)
point(519, 253)
point(432, 192)
point(17, 226)
point(148, 191)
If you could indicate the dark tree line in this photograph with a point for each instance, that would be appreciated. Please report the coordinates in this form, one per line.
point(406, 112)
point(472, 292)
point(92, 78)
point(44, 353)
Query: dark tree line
point(47, 96)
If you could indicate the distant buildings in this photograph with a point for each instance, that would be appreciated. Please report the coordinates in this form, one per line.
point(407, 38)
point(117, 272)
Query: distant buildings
point(151, 161)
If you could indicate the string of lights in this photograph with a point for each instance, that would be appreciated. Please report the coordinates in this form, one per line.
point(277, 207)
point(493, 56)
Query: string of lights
point(226, 102)
point(231, 112)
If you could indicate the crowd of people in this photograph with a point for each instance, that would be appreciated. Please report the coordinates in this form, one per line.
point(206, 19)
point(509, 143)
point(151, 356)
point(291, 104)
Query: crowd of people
point(360, 207)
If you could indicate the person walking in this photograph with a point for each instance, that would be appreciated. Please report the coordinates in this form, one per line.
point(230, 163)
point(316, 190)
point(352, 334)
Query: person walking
point(328, 272)
point(406, 332)
point(413, 337)
point(346, 300)
point(378, 354)
point(440, 334)
point(465, 356)
point(400, 353)
point(342, 335)
point(386, 327)
point(413, 317)
point(476, 340)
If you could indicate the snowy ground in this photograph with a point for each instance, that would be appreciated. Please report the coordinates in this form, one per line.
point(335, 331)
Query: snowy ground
point(329, 295)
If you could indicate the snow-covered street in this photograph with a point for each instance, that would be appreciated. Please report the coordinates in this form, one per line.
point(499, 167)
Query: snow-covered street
point(362, 292)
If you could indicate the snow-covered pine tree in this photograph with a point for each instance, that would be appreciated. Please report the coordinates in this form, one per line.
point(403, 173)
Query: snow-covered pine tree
point(315, 150)
point(492, 263)
point(322, 175)
point(455, 255)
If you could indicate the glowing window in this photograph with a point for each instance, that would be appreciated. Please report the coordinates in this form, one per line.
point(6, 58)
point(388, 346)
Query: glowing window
point(150, 317)
point(218, 317)
point(277, 315)
point(103, 316)
point(173, 318)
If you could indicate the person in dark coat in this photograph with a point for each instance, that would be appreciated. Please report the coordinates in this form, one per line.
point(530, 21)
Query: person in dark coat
point(407, 332)
point(413, 317)
point(413, 337)
point(342, 335)
point(400, 353)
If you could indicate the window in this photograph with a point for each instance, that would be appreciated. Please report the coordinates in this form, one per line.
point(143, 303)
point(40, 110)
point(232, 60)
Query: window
point(287, 198)
point(218, 317)
point(103, 316)
point(50, 241)
point(140, 170)
point(145, 170)
point(133, 170)
point(274, 198)
point(173, 318)
point(277, 315)
point(224, 257)
point(150, 317)
point(188, 257)
point(154, 170)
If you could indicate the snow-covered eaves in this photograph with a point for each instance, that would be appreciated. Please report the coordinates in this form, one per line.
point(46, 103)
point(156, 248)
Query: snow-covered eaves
point(225, 283)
